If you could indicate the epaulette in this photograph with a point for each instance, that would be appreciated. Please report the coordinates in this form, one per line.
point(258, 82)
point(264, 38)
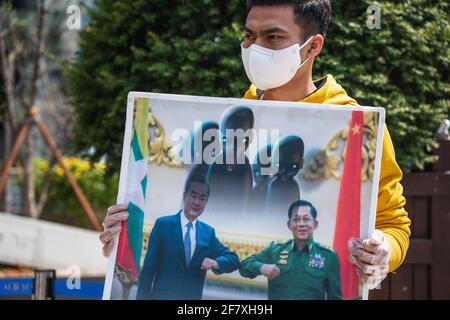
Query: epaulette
point(325, 246)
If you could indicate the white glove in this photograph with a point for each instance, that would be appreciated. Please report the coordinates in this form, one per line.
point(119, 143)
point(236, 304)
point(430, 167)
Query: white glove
point(371, 258)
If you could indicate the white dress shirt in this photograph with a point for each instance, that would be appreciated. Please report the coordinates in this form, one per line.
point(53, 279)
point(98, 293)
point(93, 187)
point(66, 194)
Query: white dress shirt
point(184, 222)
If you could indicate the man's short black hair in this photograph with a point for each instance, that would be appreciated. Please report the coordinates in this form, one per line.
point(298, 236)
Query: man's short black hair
point(302, 203)
point(313, 16)
point(195, 178)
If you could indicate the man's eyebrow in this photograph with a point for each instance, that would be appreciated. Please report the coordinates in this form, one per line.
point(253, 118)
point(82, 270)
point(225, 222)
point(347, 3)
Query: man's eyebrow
point(267, 31)
point(247, 29)
point(274, 30)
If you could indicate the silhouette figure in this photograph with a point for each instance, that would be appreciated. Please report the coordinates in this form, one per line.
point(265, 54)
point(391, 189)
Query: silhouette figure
point(230, 176)
point(260, 180)
point(287, 160)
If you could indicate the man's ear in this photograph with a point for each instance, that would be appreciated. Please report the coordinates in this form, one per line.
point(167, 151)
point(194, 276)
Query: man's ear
point(316, 224)
point(289, 224)
point(315, 46)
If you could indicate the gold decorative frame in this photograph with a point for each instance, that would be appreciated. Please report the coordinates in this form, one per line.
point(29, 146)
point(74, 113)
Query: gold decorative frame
point(160, 147)
point(326, 163)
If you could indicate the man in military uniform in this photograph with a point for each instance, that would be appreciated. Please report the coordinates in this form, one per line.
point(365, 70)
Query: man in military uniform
point(299, 268)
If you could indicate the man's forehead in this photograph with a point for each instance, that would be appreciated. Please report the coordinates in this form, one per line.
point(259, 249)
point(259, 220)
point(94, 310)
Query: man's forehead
point(269, 17)
point(197, 187)
point(301, 212)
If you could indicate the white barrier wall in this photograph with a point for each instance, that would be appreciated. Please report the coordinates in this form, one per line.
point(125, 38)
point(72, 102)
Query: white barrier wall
point(46, 245)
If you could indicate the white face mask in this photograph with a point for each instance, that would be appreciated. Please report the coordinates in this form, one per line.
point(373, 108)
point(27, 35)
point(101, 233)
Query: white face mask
point(268, 69)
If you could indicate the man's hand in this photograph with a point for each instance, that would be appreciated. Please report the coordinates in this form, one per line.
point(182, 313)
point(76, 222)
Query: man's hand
point(209, 264)
point(371, 257)
point(112, 227)
point(270, 271)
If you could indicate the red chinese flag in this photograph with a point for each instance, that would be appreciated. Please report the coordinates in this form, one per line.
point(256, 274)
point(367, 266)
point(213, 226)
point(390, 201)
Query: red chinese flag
point(349, 205)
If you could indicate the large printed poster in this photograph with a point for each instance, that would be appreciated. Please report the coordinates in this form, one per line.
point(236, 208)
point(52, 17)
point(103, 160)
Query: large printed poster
point(243, 199)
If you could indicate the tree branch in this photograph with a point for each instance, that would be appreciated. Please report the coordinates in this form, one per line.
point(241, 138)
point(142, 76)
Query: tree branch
point(46, 182)
point(7, 61)
point(29, 187)
point(39, 49)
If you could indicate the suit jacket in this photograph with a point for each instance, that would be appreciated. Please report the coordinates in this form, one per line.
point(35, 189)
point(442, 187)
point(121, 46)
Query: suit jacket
point(165, 275)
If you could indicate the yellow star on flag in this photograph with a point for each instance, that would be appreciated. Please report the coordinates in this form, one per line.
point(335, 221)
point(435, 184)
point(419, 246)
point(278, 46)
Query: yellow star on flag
point(355, 129)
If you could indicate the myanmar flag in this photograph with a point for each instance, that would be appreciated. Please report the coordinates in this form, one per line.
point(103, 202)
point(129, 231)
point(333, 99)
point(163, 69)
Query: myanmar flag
point(130, 239)
point(349, 205)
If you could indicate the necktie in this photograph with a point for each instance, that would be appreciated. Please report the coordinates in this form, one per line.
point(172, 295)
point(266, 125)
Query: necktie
point(187, 244)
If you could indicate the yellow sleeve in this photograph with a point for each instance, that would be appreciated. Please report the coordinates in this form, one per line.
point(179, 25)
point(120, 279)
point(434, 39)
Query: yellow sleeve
point(251, 93)
point(391, 217)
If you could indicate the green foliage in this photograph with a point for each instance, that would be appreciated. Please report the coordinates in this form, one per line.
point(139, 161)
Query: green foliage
point(192, 47)
point(402, 67)
point(62, 206)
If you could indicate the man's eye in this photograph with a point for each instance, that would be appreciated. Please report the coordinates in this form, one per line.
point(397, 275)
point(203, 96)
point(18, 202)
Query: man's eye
point(248, 37)
point(274, 37)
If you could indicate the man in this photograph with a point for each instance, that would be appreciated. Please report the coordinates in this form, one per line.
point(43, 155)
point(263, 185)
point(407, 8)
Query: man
point(270, 28)
point(299, 268)
point(181, 249)
point(292, 33)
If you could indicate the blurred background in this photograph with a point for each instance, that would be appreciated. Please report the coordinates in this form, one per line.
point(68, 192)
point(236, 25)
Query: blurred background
point(75, 62)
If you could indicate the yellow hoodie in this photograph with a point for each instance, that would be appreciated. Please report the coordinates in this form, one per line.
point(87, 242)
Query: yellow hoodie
point(391, 217)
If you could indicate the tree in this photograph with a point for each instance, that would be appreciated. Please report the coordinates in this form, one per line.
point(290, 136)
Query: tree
point(11, 51)
point(402, 67)
point(30, 55)
point(192, 47)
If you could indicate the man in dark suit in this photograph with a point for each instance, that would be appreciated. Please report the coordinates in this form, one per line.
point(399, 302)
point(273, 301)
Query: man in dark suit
point(182, 249)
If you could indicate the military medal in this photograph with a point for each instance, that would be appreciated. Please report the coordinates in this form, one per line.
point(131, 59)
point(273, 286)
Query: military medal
point(316, 261)
point(284, 255)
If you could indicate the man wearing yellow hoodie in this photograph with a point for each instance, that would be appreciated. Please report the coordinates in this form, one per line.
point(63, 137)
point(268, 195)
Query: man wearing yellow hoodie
point(282, 39)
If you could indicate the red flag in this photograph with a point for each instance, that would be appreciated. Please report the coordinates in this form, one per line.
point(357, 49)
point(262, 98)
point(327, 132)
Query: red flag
point(349, 205)
point(125, 255)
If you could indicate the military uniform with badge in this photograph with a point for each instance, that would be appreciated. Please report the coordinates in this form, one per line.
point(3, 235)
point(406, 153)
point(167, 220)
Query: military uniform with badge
point(311, 273)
